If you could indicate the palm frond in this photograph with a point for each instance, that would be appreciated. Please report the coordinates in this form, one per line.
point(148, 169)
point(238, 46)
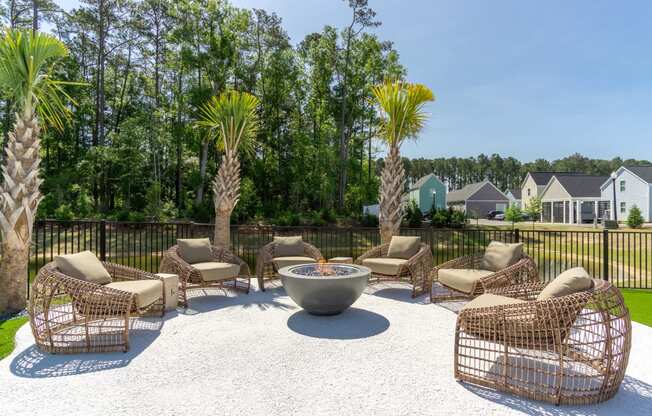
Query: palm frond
point(27, 74)
point(401, 107)
point(233, 118)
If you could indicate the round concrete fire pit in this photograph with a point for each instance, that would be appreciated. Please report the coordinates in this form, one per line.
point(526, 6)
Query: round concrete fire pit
point(324, 289)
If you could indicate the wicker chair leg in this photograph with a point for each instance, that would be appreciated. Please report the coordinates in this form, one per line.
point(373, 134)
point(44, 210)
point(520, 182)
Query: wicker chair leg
point(261, 283)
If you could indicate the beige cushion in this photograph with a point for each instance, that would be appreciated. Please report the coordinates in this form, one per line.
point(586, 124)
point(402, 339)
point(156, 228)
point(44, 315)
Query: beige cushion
point(571, 281)
point(83, 266)
point(146, 291)
point(487, 300)
point(499, 256)
point(461, 280)
point(403, 247)
point(213, 270)
point(195, 250)
point(288, 246)
point(384, 265)
point(292, 261)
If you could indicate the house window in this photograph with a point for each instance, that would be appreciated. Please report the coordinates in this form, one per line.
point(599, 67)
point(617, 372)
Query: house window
point(622, 186)
point(623, 207)
point(528, 191)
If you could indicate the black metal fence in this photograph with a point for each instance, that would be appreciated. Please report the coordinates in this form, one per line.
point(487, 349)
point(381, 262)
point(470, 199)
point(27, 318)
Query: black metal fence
point(625, 258)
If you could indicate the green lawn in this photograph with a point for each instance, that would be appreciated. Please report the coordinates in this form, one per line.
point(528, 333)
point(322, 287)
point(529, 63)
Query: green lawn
point(7, 332)
point(639, 303)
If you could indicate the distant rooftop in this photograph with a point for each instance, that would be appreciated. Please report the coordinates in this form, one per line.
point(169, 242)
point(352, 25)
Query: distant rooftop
point(580, 185)
point(542, 178)
point(643, 171)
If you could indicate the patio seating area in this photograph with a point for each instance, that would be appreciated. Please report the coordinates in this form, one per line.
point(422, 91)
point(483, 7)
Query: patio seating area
point(259, 354)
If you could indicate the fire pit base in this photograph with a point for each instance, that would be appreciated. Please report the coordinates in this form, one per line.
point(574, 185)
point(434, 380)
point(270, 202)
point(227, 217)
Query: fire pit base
point(324, 289)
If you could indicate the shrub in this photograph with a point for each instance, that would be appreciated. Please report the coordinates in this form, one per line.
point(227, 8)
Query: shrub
point(635, 218)
point(440, 218)
point(288, 219)
point(458, 219)
point(64, 213)
point(413, 215)
point(136, 216)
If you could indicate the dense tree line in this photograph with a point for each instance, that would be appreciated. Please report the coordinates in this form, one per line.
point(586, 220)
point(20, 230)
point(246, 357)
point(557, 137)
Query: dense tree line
point(507, 173)
point(132, 150)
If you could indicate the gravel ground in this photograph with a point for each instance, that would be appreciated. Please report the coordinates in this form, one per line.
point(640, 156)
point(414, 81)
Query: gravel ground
point(258, 354)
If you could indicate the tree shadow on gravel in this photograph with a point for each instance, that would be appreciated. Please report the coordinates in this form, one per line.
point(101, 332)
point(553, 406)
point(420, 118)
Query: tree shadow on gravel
point(207, 300)
point(353, 323)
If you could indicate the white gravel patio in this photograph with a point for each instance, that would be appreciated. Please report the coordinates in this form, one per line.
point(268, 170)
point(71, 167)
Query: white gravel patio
point(259, 354)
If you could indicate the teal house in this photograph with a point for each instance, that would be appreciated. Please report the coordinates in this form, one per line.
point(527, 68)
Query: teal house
point(427, 191)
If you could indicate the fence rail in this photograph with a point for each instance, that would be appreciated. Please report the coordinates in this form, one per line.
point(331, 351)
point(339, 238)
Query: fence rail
point(625, 258)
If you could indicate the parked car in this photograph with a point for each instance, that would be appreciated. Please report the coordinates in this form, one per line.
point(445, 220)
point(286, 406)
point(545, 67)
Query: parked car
point(499, 217)
point(491, 215)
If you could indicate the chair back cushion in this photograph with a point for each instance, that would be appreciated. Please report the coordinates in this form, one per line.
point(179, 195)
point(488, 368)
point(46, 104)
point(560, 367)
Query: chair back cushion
point(571, 281)
point(83, 266)
point(499, 256)
point(195, 250)
point(288, 246)
point(403, 247)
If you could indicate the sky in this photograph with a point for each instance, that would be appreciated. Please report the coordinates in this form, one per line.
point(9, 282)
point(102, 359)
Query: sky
point(519, 78)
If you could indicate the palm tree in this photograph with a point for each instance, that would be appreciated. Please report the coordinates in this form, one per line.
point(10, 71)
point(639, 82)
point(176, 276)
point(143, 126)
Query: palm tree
point(26, 78)
point(402, 116)
point(233, 117)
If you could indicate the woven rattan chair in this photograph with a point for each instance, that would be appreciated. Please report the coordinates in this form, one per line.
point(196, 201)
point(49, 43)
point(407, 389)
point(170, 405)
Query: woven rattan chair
point(414, 271)
point(571, 349)
point(524, 270)
point(191, 278)
point(69, 315)
point(267, 268)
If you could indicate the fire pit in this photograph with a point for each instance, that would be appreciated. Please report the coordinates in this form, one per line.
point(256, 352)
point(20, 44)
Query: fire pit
point(324, 288)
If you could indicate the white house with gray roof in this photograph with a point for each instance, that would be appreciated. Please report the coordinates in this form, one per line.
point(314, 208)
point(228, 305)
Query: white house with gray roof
point(572, 198)
point(633, 187)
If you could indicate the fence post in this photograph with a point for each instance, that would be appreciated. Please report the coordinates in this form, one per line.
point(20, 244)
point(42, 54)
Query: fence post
point(517, 235)
point(605, 254)
point(103, 240)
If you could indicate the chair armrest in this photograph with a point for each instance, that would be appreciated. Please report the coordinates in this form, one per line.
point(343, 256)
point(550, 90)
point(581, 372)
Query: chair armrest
point(264, 257)
point(120, 272)
point(465, 262)
point(172, 263)
point(525, 291)
point(378, 251)
point(522, 271)
point(312, 251)
point(226, 256)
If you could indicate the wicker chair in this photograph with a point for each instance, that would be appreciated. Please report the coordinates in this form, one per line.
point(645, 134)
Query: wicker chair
point(571, 349)
point(191, 278)
point(524, 270)
point(69, 315)
point(267, 268)
point(415, 270)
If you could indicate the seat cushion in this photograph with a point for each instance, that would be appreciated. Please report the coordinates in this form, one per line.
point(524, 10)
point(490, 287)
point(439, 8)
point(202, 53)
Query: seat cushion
point(195, 250)
point(84, 266)
point(462, 280)
point(499, 256)
point(288, 246)
point(403, 247)
point(212, 271)
point(571, 281)
point(384, 265)
point(292, 261)
point(146, 291)
point(487, 300)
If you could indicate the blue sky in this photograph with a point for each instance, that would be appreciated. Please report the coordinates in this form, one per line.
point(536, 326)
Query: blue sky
point(519, 78)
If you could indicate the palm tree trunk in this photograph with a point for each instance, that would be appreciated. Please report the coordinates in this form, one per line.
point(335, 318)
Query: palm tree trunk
point(226, 193)
point(19, 199)
point(391, 189)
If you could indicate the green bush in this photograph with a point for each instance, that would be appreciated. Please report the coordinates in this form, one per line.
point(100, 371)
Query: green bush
point(440, 218)
point(413, 215)
point(635, 218)
point(458, 219)
point(64, 213)
point(288, 219)
point(513, 214)
point(136, 216)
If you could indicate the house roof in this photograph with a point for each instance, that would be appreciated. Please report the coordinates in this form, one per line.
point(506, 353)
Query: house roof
point(644, 172)
point(422, 181)
point(516, 192)
point(542, 178)
point(581, 186)
point(468, 191)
